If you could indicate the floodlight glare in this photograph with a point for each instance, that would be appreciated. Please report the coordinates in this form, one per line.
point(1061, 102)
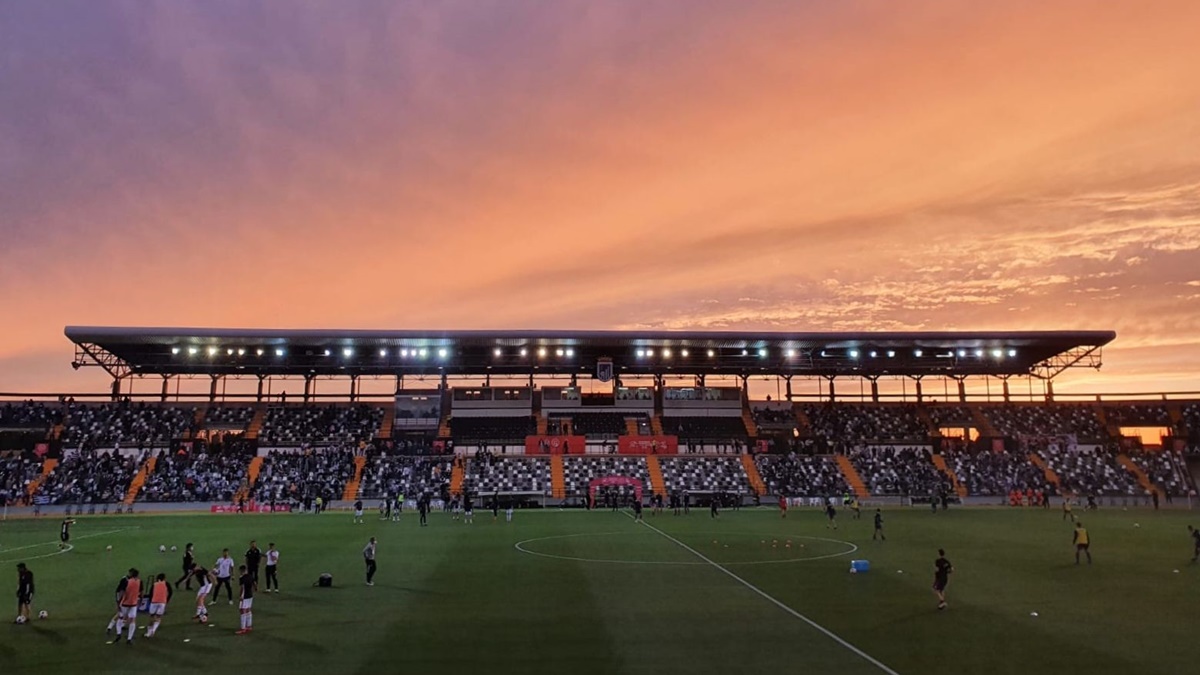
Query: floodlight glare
point(996, 353)
point(259, 351)
point(854, 353)
point(229, 351)
point(872, 354)
point(424, 353)
point(174, 350)
point(1012, 352)
point(326, 352)
point(212, 351)
point(558, 352)
point(192, 351)
point(684, 353)
point(570, 352)
point(979, 353)
point(541, 351)
point(383, 352)
point(497, 351)
point(241, 352)
point(762, 353)
point(278, 352)
point(710, 353)
point(918, 353)
point(891, 353)
point(962, 353)
point(791, 353)
point(441, 353)
point(347, 352)
point(524, 352)
point(666, 353)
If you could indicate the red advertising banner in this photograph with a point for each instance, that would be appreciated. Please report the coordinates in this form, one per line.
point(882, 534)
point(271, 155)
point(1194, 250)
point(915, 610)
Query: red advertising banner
point(648, 445)
point(251, 508)
point(555, 445)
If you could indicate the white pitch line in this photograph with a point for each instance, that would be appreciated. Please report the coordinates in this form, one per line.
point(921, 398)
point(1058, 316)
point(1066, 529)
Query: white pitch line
point(51, 543)
point(828, 633)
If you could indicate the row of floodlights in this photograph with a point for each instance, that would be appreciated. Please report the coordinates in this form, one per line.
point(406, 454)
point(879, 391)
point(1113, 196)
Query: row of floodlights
point(568, 352)
point(349, 352)
point(666, 353)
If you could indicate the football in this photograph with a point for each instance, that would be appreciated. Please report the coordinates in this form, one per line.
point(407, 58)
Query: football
point(43, 614)
point(173, 549)
point(203, 618)
point(162, 548)
point(20, 619)
point(108, 548)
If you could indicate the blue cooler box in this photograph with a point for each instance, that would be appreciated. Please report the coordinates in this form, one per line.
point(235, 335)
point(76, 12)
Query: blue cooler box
point(860, 566)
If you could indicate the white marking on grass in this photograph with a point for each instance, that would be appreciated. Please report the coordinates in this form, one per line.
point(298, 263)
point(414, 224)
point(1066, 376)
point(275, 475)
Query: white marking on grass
point(52, 543)
point(520, 547)
point(828, 633)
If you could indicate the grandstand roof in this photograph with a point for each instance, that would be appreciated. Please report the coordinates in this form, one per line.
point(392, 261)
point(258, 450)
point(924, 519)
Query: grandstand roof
point(274, 352)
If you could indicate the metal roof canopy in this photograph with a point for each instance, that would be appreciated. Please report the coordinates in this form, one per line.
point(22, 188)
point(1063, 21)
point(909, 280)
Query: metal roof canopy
point(267, 353)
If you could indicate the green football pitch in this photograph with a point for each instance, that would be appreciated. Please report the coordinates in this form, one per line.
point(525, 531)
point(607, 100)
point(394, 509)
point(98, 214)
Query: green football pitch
point(578, 592)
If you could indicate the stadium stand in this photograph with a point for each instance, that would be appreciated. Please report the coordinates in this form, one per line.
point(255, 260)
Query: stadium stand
point(988, 473)
point(1165, 470)
point(849, 423)
point(297, 476)
point(1088, 472)
point(709, 474)
point(195, 477)
point(492, 429)
point(796, 475)
point(320, 425)
point(228, 417)
point(888, 470)
point(705, 428)
point(487, 474)
point(17, 470)
point(390, 475)
point(29, 415)
point(98, 427)
point(1189, 422)
point(774, 418)
point(90, 477)
point(579, 471)
point(595, 424)
point(1039, 420)
point(1138, 415)
point(951, 416)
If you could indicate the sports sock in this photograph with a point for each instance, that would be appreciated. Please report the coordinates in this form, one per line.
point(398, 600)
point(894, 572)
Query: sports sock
point(249, 619)
point(120, 627)
point(243, 622)
point(111, 624)
point(132, 628)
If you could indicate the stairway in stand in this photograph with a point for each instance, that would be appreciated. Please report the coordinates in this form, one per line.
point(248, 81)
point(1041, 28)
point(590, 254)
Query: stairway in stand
point(1040, 463)
point(139, 479)
point(252, 472)
point(803, 424)
point(47, 467)
point(656, 425)
point(631, 427)
point(983, 423)
point(657, 485)
point(197, 422)
point(457, 476)
point(1142, 478)
point(940, 462)
point(854, 480)
point(748, 420)
point(923, 415)
point(558, 481)
point(389, 421)
point(756, 481)
point(542, 425)
point(256, 422)
point(351, 490)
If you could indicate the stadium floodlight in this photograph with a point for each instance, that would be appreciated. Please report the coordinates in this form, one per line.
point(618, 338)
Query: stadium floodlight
point(424, 353)
point(791, 353)
point(979, 353)
point(918, 353)
point(174, 350)
point(347, 352)
point(744, 352)
point(570, 352)
point(666, 352)
point(259, 351)
point(558, 352)
point(241, 352)
point(442, 353)
point(762, 353)
point(962, 353)
point(497, 352)
point(854, 353)
point(684, 353)
point(192, 351)
point(1012, 352)
point(641, 353)
point(998, 353)
point(524, 351)
point(873, 354)
point(404, 353)
point(278, 351)
point(541, 351)
point(711, 353)
point(891, 354)
point(326, 352)
point(229, 352)
point(212, 351)
point(383, 352)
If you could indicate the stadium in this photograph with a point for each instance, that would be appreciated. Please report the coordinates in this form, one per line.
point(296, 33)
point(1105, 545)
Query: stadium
point(554, 437)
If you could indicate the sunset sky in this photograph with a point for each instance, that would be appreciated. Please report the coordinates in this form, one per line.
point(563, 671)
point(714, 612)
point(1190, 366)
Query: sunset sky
point(653, 164)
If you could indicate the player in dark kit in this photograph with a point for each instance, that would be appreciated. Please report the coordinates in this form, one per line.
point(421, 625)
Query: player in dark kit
point(878, 526)
point(64, 535)
point(941, 577)
point(831, 514)
point(246, 585)
point(189, 561)
point(1195, 542)
point(637, 509)
point(253, 559)
point(24, 592)
point(423, 509)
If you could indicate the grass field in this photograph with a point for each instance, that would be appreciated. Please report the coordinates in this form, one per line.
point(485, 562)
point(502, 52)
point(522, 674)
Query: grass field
point(681, 594)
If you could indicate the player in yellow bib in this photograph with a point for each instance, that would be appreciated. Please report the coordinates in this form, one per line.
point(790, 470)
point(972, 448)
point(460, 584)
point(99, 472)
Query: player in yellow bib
point(1081, 543)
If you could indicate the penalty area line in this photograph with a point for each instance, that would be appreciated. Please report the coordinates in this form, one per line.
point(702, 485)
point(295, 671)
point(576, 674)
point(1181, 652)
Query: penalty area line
point(828, 633)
